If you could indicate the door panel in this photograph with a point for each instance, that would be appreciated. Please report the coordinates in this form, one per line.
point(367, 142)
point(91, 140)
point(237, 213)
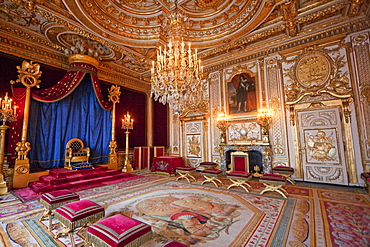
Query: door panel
point(321, 142)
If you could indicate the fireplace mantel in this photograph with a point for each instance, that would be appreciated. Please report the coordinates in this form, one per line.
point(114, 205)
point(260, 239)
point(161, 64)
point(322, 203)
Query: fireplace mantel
point(263, 148)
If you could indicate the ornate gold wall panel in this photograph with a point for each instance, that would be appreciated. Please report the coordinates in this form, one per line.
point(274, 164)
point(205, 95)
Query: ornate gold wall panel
point(320, 78)
point(275, 100)
point(193, 143)
point(215, 101)
point(175, 135)
point(321, 142)
point(361, 59)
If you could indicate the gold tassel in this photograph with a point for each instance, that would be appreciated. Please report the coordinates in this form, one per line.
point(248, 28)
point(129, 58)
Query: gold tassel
point(56, 205)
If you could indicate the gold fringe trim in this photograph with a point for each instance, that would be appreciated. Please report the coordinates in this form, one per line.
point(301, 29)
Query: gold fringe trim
point(85, 221)
point(56, 205)
point(135, 243)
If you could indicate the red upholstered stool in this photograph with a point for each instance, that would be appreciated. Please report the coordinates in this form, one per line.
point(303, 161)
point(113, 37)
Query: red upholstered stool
point(77, 214)
point(117, 231)
point(274, 182)
point(211, 175)
point(239, 178)
point(286, 171)
point(207, 164)
point(54, 199)
point(185, 172)
point(366, 177)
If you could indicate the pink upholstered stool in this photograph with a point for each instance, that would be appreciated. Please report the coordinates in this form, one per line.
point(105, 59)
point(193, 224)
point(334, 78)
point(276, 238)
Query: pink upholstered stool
point(185, 172)
point(53, 200)
point(366, 177)
point(119, 230)
point(211, 175)
point(77, 214)
point(274, 182)
point(239, 178)
point(286, 171)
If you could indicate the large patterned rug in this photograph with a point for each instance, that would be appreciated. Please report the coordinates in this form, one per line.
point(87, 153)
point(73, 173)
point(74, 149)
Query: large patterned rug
point(203, 215)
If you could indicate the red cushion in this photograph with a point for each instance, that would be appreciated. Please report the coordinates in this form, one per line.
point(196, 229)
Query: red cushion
point(211, 171)
point(239, 174)
point(273, 177)
point(77, 210)
point(283, 169)
point(118, 230)
point(185, 168)
point(208, 164)
point(59, 196)
point(365, 175)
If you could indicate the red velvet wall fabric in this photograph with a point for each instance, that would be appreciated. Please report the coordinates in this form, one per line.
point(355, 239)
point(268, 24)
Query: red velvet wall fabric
point(160, 124)
point(135, 103)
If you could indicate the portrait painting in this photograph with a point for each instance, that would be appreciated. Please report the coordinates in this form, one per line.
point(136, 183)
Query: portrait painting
point(242, 97)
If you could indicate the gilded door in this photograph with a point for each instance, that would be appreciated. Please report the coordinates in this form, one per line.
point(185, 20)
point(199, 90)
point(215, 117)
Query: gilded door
point(321, 145)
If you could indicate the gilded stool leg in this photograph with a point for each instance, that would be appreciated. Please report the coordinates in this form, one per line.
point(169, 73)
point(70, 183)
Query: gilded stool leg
point(240, 183)
point(288, 177)
point(277, 188)
point(186, 176)
point(48, 214)
point(211, 180)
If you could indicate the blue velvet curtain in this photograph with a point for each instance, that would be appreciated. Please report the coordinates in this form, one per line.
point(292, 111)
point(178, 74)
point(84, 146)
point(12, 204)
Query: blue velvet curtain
point(52, 125)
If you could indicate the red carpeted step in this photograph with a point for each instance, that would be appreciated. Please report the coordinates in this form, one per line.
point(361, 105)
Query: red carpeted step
point(73, 176)
point(62, 172)
point(61, 178)
point(80, 184)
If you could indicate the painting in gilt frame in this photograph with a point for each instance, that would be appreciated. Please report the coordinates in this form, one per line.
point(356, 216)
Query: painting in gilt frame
point(242, 97)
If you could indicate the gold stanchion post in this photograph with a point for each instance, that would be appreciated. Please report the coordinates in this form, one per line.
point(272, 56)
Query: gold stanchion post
point(114, 93)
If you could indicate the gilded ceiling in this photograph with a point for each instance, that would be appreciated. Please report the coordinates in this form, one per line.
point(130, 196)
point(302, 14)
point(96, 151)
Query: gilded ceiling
point(124, 34)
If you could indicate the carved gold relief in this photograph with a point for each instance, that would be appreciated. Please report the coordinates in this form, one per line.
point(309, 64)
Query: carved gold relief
point(21, 13)
point(207, 3)
point(241, 132)
point(315, 73)
point(29, 74)
point(22, 170)
point(313, 70)
point(194, 146)
point(320, 146)
point(365, 92)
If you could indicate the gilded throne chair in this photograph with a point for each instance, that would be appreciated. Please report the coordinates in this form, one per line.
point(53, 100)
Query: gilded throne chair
point(239, 174)
point(76, 152)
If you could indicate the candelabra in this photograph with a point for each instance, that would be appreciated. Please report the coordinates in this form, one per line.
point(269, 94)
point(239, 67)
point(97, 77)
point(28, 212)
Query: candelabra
point(222, 125)
point(264, 119)
point(7, 114)
point(128, 124)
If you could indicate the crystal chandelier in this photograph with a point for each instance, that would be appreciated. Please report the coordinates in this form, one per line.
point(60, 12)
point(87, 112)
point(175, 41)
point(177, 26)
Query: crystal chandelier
point(176, 76)
point(7, 114)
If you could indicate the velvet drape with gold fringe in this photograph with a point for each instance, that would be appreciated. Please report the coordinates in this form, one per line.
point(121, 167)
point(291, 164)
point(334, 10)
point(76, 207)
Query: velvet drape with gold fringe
point(73, 108)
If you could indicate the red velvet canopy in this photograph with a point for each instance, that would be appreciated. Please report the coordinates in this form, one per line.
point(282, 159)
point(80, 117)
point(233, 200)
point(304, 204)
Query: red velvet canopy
point(69, 82)
point(59, 91)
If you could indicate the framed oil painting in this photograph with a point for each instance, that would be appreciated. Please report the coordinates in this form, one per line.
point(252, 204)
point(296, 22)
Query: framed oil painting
point(242, 96)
